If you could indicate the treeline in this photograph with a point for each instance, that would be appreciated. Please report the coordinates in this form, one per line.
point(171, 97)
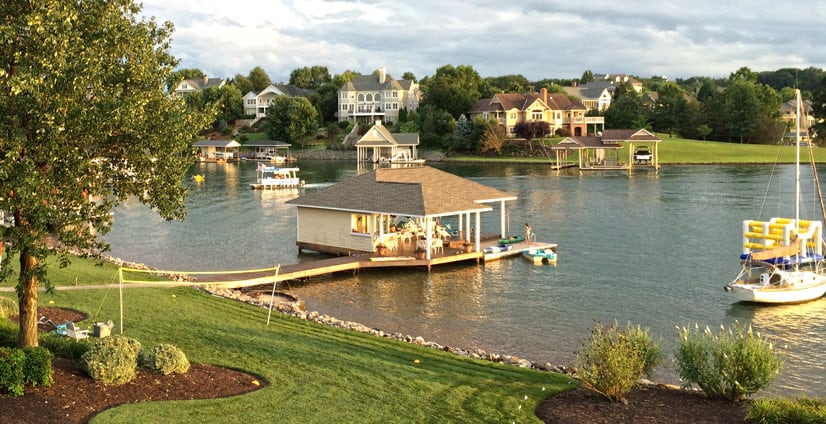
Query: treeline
point(743, 108)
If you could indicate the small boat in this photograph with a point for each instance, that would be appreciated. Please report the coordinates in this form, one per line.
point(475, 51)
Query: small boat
point(498, 249)
point(540, 256)
point(272, 177)
point(782, 259)
point(511, 240)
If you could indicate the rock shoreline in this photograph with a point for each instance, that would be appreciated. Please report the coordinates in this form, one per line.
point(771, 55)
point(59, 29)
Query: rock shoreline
point(287, 304)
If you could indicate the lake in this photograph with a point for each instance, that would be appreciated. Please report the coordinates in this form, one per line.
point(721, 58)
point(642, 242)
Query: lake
point(653, 249)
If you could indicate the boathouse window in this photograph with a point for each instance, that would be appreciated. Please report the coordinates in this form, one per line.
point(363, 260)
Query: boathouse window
point(359, 223)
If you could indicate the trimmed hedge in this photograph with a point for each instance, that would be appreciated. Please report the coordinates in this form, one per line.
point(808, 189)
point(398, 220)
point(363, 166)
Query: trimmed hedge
point(12, 362)
point(112, 360)
point(165, 359)
point(37, 370)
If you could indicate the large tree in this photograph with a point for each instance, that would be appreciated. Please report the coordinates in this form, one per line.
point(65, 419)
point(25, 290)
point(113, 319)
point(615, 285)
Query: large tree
point(310, 78)
point(291, 118)
point(85, 114)
point(455, 89)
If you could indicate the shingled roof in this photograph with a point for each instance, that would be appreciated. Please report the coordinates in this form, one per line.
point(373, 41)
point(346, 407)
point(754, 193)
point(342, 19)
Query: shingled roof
point(420, 191)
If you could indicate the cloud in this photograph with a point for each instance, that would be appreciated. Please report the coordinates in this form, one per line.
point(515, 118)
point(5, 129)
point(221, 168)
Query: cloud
point(536, 38)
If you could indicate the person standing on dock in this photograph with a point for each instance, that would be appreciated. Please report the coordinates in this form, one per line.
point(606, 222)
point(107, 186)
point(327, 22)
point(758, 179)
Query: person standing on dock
point(528, 233)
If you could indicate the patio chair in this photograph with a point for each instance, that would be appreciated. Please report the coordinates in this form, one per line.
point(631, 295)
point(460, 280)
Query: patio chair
point(437, 245)
point(74, 332)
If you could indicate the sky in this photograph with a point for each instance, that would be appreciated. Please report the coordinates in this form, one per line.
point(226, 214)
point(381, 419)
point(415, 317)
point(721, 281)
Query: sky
point(537, 38)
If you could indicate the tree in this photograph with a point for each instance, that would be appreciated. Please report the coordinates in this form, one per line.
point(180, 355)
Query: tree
point(291, 118)
point(325, 100)
point(259, 79)
point(671, 109)
point(586, 77)
point(85, 113)
point(409, 76)
point(310, 78)
point(626, 112)
point(454, 90)
point(243, 83)
point(531, 130)
point(493, 138)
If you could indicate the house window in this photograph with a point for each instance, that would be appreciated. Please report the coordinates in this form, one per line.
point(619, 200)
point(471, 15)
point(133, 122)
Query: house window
point(359, 223)
point(361, 97)
point(378, 97)
point(369, 97)
point(536, 115)
point(395, 94)
point(512, 115)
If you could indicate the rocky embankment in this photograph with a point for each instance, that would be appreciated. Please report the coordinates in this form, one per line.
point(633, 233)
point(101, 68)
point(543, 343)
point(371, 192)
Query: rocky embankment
point(287, 304)
point(328, 154)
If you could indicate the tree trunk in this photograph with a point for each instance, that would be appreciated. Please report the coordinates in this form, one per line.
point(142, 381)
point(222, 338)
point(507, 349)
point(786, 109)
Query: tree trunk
point(27, 296)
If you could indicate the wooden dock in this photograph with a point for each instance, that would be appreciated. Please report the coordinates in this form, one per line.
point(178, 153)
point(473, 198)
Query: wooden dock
point(403, 258)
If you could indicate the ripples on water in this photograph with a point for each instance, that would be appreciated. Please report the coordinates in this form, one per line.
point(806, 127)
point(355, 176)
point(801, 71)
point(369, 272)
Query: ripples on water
point(650, 249)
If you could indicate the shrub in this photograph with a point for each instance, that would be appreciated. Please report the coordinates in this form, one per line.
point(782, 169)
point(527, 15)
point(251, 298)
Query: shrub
point(613, 359)
point(63, 347)
point(8, 307)
point(733, 364)
point(165, 359)
point(802, 410)
point(112, 360)
point(11, 370)
point(9, 332)
point(37, 369)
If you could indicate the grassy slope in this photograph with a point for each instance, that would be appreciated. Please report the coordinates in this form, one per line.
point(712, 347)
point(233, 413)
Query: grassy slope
point(674, 150)
point(316, 373)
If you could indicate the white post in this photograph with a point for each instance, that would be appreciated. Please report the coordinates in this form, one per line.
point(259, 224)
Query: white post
point(502, 228)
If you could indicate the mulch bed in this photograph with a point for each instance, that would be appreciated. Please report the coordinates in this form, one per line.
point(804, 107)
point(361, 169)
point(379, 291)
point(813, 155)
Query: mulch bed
point(76, 398)
point(646, 405)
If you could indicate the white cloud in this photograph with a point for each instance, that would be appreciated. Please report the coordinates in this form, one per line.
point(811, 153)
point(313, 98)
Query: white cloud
point(537, 38)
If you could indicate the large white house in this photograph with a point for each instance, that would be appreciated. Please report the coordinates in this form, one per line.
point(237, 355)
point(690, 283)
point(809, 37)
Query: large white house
point(370, 98)
point(194, 85)
point(257, 104)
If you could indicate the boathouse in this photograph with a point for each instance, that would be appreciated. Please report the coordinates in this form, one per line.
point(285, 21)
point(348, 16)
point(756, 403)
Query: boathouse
point(214, 150)
point(603, 151)
point(358, 215)
point(269, 150)
point(379, 144)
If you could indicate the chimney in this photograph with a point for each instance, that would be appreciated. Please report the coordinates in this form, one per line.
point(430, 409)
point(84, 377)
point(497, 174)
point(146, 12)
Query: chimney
point(378, 122)
point(206, 79)
point(544, 93)
point(382, 75)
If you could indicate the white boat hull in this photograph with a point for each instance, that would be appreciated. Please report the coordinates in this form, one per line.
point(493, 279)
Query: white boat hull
point(797, 287)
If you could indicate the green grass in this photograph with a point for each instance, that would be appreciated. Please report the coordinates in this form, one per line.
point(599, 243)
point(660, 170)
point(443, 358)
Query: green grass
point(673, 150)
point(315, 373)
point(778, 410)
point(81, 272)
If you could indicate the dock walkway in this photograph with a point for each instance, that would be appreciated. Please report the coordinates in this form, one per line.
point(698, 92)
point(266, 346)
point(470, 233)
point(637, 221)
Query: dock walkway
point(402, 258)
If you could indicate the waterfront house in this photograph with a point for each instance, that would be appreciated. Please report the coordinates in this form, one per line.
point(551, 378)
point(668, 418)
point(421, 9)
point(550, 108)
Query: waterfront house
point(509, 109)
point(368, 98)
point(189, 86)
point(356, 216)
point(257, 104)
point(379, 144)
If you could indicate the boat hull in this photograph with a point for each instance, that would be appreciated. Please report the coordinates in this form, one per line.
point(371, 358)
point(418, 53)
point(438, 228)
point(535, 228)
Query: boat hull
point(540, 256)
point(796, 287)
point(511, 240)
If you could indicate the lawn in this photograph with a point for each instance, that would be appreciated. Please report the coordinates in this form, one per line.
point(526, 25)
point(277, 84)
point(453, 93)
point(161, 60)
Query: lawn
point(673, 150)
point(315, 373)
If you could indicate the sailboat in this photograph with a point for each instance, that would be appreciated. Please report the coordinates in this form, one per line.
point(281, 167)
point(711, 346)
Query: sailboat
point(782, 259)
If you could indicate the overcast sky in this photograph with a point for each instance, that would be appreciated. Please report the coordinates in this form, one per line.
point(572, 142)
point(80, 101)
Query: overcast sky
point(537, 38)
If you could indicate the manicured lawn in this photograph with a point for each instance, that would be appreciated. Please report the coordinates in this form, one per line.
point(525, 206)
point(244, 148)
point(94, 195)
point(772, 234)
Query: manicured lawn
point(315, 373)
point(672, 150)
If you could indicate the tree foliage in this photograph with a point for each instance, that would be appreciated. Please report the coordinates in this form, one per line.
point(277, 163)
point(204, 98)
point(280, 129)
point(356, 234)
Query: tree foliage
point(85, 112)
point(291, 118)
point(454, 89)
point(310, 77)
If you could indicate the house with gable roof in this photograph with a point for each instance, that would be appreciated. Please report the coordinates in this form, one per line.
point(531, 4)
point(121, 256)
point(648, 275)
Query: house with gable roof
point(368, 98)
point(257, 104)
point(595, 95)
point(509, 109)
point(379, 144)
point(354, 216)
point(195, 85)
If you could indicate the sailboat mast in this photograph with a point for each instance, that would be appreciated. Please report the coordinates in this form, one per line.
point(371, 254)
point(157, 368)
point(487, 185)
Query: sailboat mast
point(797, 168)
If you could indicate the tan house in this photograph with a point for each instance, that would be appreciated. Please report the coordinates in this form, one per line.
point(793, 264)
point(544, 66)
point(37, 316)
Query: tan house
point(509, 109)
point(788, 114)
point(195, 85)
point(378, 144)
point(368, 98)
point(257, 104)
point(355, 216)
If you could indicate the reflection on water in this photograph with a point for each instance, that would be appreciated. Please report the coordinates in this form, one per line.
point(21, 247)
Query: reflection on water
point(650, 249)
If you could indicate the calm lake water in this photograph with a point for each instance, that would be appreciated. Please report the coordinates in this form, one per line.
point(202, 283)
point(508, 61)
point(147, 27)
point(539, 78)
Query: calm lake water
point(653, 249)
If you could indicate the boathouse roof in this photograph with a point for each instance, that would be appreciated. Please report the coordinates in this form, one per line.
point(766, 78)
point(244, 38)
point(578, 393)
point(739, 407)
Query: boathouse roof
point(419, 191)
